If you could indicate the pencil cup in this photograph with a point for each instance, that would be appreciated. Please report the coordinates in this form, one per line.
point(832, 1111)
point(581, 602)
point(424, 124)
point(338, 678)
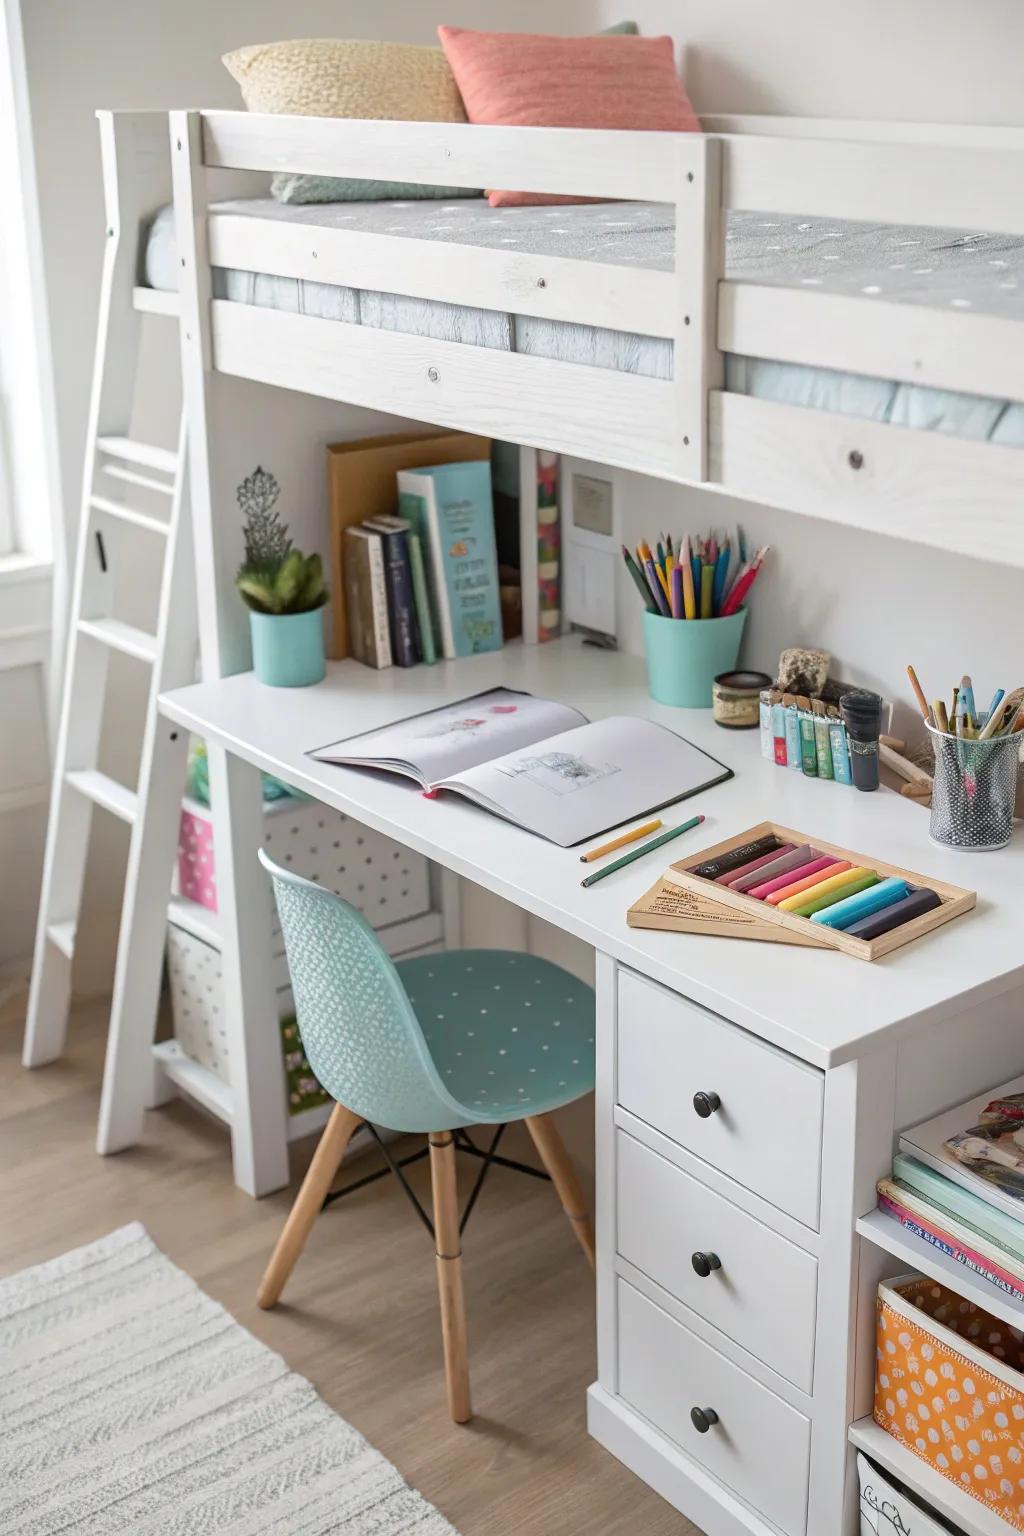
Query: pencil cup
point(974, 790)
point(684, 656)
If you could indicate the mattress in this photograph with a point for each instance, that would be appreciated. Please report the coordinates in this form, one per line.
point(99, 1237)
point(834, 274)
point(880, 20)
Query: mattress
point(938, 269)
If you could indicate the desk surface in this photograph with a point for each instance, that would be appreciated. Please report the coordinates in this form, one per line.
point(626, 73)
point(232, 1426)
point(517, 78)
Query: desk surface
point(824, 1006)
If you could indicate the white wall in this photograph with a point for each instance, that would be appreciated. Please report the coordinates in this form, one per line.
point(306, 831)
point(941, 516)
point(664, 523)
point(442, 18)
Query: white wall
point(898, 60)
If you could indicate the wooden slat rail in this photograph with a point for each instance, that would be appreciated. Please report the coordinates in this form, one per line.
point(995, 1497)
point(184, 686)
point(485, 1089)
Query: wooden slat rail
point(517, 282)
point(978, 354)
point(588, 162)
point(937, 185)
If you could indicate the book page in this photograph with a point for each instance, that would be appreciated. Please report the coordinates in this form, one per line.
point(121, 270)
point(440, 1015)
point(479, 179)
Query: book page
point(587, 780)
point(457, 737)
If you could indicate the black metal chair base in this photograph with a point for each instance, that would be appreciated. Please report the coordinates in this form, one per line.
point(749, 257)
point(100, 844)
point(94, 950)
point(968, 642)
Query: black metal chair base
point(463, 1143)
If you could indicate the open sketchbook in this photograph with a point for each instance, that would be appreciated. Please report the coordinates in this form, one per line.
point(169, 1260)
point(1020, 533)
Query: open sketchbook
point(539, 764)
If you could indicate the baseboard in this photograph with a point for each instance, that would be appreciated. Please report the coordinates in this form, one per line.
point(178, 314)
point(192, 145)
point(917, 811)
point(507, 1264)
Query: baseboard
point(663, 1467)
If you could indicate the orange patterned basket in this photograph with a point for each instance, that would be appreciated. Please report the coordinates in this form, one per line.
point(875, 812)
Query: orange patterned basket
point(949, 1385)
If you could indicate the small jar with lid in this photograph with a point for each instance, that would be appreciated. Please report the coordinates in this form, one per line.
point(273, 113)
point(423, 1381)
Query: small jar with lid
point(736, 699)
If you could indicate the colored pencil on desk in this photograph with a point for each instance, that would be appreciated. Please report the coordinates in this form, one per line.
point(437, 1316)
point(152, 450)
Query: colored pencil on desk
point(638, 853)
point(639, 581)
point(689, 592)
point(620, 842)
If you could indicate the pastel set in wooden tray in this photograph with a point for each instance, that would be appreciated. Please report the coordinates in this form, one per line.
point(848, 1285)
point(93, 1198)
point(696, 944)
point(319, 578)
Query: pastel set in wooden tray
point(845, 900)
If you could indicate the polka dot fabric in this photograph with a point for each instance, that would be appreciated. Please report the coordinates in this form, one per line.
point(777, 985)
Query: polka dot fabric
point(949, 1386)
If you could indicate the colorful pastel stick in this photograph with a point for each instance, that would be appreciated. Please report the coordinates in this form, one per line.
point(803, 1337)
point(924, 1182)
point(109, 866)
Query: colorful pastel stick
point(857, 880)
point(781, 865)
point(710, 869)
point(753, 865)
point(916, 904)
point(828, 885)
point(834, 867)
point(795, 876)
point(842, 913)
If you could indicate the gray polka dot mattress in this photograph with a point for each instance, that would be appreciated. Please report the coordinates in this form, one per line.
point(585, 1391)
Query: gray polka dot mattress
point(968, 271)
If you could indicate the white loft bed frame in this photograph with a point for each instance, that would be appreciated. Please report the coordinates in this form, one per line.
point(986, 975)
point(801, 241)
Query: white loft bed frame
point(945, 492)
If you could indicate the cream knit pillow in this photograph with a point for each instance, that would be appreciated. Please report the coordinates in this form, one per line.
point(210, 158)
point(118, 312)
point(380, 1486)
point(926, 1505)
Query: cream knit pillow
point(356, 78)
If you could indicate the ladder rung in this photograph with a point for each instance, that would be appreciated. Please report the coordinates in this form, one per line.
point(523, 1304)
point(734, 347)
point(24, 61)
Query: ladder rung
point(116, 472)
point(62, 936)
point(199, 1082)
point(133, 452)
point(129, 515)
point(155, 301)
point(104, 791)
point(121, 637)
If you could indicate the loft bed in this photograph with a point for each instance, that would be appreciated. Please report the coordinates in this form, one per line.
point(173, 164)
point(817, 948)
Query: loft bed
point(822, 317)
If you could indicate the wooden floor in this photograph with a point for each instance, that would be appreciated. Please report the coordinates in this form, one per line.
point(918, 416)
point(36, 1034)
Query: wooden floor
point(360, 1315)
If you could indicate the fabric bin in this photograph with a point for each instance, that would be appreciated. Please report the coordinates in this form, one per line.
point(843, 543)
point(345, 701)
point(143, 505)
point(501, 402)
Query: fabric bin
point(949, 1386)
point(886, 1509)
point(197, 990)
point(386, 881)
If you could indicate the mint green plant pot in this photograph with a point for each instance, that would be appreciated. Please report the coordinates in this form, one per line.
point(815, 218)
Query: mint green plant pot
point(288, 648)
point(684, 656)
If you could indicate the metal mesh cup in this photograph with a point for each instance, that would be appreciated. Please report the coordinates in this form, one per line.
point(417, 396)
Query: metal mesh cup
point(974, 790)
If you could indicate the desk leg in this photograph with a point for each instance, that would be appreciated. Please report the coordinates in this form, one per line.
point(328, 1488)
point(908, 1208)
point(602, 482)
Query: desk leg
point(259, 1115)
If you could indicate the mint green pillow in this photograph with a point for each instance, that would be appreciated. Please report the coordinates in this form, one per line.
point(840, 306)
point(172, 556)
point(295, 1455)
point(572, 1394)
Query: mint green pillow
point(284, 61)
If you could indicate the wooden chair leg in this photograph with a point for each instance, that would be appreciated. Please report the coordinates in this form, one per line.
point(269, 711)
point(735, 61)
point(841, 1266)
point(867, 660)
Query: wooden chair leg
point(319, 1177)
point(548, 1141)
point(448, 1244)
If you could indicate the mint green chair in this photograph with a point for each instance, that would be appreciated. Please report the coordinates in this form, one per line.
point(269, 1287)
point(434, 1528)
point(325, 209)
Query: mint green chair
point(429, 1045)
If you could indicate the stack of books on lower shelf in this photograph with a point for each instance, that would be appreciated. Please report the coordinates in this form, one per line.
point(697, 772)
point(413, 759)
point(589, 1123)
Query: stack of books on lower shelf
point(424, 584)
point(958, 1183)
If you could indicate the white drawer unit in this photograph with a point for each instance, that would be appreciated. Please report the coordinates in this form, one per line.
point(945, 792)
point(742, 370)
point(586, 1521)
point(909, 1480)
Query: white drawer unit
point(748, 1109)
point(758, 1288)
point(745, 1436)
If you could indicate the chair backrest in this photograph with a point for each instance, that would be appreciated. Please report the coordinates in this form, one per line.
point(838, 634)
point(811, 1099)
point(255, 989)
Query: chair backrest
point(358, 1028)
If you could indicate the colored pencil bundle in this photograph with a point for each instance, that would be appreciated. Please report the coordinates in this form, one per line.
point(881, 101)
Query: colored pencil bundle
point(698, 578)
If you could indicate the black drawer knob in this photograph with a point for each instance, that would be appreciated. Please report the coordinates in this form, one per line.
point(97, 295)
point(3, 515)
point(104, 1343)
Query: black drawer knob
point(704, 1263)
point(706, 1104)
point(702, 1419)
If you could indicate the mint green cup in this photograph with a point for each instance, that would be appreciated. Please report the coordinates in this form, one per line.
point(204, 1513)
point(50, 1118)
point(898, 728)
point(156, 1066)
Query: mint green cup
point(288, 648)
point(684, 656)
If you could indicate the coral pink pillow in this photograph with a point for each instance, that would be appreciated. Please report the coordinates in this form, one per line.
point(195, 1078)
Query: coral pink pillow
point(522, 79)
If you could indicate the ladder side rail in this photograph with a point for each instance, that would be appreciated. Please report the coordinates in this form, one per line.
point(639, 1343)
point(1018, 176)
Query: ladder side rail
point(259, 1123)
point(130, 1073)
point(134, 178)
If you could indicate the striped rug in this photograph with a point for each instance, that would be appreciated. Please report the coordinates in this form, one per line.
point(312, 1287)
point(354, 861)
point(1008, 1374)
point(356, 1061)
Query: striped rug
point(131, 1403)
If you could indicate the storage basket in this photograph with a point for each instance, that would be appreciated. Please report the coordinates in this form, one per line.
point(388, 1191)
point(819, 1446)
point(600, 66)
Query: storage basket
point(197, 990)
point(387, 882)
point(888, 1510)
point(949, 1386)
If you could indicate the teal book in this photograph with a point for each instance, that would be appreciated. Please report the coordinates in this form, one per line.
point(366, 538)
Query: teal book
point(456, 529)
point(413, 510)
point(950, 1198)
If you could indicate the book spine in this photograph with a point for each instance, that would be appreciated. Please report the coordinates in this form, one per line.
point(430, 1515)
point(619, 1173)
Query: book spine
point(355, 565)
point(1007, 1232)
point(380, 650)
point(424, 616)
point(439, 575)
point(401, 604)
point(954, 1250)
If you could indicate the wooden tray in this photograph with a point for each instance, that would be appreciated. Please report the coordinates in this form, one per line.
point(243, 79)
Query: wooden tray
point(954, 899)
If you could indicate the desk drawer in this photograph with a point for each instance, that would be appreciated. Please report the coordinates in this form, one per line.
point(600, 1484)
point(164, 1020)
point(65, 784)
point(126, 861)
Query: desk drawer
point(763, 1109)
point(759, 1447)
point(762, 1297)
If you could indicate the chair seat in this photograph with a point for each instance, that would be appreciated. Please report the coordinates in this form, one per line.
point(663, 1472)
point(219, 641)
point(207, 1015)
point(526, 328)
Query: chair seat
point(511, 1034)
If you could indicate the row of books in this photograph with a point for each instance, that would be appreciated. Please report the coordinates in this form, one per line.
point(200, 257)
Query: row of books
point(958, 1183)
point(424, 584)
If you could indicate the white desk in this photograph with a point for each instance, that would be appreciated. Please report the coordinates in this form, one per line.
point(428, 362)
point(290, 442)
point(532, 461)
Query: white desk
point(776, 1181)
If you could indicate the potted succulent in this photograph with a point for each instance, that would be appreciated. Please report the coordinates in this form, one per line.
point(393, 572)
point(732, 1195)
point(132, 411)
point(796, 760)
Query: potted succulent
point(283, 589)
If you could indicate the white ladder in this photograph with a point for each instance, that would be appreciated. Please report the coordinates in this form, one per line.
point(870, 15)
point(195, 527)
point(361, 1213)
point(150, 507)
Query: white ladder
point(134, 147)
